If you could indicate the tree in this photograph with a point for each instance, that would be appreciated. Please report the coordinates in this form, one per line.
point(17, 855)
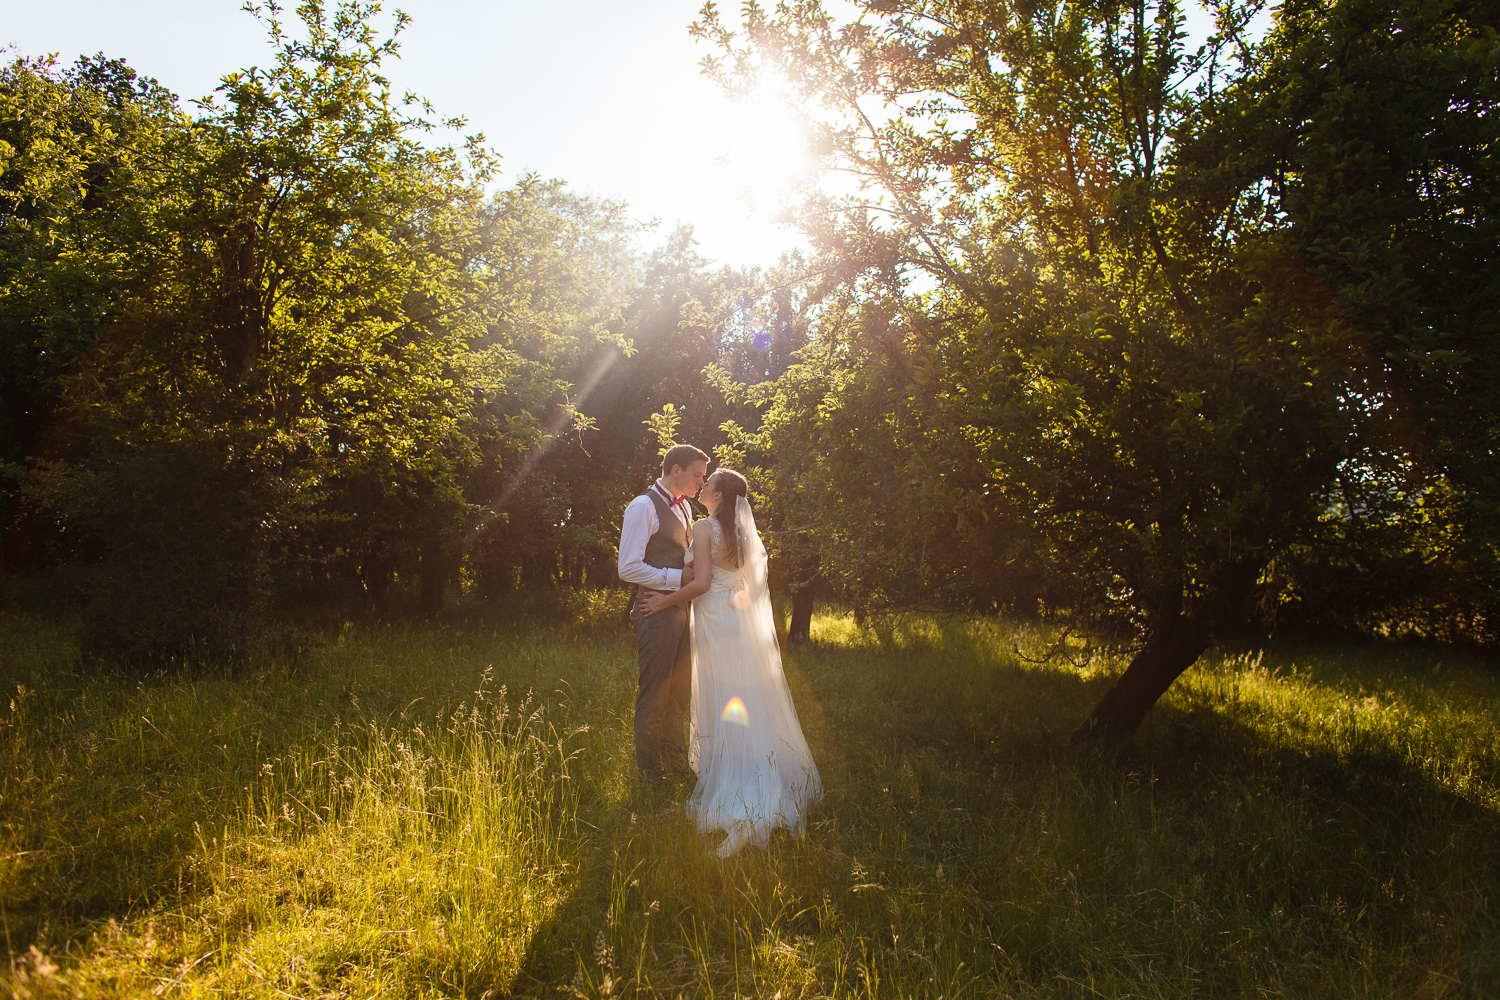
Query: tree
point(1084, 333)
point(1374, 123)
point(324, 325)
point(283, 347)
point(76, 149)
point(540, 497)
point(683, 316)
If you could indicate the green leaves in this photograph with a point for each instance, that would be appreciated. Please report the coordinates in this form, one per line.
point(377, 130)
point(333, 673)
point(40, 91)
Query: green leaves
point(664, 426)
point(1165, 291)
point(292, 292)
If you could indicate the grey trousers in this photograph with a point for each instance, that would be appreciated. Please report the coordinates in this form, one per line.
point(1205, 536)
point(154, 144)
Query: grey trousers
point(663, 646)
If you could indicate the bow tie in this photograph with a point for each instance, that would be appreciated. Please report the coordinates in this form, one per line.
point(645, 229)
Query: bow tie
point(667, 497)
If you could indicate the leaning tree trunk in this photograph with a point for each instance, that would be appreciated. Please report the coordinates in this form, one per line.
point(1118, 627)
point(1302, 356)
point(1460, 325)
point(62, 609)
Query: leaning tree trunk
point(1173, 645)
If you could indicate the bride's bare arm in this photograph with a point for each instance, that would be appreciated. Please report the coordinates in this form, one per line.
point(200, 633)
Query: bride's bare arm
point(703, 554)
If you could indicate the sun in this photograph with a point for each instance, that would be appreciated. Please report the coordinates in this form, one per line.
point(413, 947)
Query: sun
point(767, 150)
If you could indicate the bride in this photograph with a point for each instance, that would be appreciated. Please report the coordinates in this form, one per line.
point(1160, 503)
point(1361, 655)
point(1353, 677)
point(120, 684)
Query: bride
point(755, 772)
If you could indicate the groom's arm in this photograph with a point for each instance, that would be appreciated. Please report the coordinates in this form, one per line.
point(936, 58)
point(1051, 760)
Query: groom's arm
point(640, 524)
point(703, 541)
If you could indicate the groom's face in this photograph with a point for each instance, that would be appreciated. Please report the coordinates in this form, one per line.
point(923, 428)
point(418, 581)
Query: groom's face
point(688, 481)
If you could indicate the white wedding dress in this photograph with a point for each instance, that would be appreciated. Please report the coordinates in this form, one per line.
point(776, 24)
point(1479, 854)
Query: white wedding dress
point(755, 772)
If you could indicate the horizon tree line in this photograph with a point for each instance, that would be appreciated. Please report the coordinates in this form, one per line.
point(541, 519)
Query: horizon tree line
point(1147, 337)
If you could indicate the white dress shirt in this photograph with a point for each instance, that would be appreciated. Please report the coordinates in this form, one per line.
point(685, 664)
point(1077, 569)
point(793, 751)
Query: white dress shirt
point(640, 524)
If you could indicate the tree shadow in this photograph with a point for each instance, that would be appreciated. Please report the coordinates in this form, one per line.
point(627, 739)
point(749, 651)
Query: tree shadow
point(906, 735)
point(579, 944)
point(1376, 835)
point(1362, 828)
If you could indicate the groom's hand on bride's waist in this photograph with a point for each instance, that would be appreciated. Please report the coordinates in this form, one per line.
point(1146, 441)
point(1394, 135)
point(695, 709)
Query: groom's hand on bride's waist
point(687, 575)
point(649, 602)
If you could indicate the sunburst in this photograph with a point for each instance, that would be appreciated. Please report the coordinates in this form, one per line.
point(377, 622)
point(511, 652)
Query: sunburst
point(767, 156)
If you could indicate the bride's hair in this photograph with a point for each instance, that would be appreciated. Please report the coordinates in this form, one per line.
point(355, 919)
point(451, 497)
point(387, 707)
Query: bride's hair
point(732, 485)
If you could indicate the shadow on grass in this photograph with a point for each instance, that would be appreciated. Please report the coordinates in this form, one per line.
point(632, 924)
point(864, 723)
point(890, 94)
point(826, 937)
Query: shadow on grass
point(962, 845)
point(1369, 847)
point(572, 951)
point(959, 822)
point(96, 817)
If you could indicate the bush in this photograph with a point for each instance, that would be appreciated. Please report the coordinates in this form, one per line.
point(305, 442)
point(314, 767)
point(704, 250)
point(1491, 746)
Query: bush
point(185, 536)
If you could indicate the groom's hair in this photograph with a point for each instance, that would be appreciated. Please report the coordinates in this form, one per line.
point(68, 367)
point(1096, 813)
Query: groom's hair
point(681, 456)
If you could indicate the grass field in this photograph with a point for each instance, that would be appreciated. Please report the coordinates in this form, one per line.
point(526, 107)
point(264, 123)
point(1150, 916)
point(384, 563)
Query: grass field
point(452, 812)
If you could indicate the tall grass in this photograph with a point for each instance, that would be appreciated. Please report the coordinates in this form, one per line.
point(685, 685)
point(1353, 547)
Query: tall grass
point(452, 812)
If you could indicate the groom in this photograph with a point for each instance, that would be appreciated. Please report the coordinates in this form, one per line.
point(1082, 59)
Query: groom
point(653, 540)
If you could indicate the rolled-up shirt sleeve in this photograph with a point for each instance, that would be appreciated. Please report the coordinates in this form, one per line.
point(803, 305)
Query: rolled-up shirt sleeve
point(640, 524)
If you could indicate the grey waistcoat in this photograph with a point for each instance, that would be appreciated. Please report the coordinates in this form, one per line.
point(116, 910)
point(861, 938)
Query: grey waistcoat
point(665, 549)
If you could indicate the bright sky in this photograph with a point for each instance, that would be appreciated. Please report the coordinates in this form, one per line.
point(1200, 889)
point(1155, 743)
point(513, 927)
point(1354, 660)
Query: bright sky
point(606, 95)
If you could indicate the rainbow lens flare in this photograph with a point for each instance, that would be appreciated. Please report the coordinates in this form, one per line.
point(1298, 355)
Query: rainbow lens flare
point(741, 599)
point(734, 711)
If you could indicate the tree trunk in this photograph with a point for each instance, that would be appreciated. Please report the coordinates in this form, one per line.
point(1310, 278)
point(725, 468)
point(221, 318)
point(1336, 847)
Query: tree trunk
point(1172, 648)
point(432, 577)
point(600, 572)
point(240, 326)
point(1175, 644)
point(781, 335)
point(538, 571)
point(497, 577)
point(803, 594)
point(802, 609)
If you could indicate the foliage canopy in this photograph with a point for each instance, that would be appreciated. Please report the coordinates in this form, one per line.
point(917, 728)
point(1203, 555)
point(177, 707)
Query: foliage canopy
point(1113, 316)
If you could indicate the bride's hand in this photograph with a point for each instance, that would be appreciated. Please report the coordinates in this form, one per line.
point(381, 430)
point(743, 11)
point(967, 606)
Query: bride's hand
point(650, 604)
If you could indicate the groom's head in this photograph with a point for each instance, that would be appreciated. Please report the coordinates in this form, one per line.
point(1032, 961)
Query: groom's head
point(682, 469)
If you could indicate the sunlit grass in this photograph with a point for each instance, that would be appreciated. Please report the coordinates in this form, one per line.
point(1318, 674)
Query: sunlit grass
point(452, 812)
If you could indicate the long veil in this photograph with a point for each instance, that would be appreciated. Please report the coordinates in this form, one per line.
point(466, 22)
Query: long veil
point(755, 772)
point(752, 557)
point(756, 617)
point(798, 773)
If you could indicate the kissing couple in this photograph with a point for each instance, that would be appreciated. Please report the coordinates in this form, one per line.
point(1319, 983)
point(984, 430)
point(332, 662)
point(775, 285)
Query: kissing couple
point(713, 699)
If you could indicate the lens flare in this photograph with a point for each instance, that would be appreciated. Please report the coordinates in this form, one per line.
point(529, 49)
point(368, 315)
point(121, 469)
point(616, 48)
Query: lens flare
point(734, 711)
point(741, 599)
